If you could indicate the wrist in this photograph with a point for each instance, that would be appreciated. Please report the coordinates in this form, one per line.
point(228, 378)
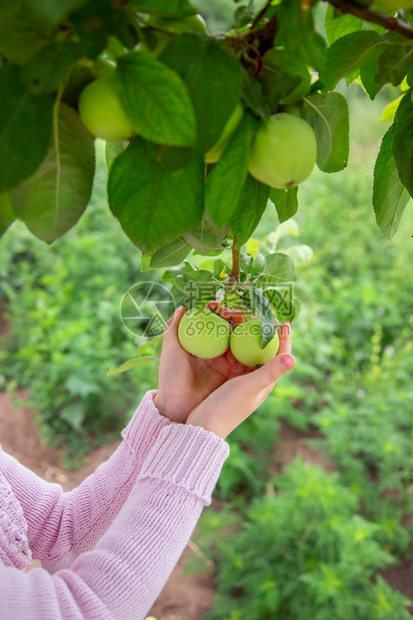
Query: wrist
point(196, 418)
point(158, 402)
point(171, 408)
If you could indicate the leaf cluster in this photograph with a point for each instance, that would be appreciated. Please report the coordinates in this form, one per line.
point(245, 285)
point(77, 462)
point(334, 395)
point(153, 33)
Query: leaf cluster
point(303, 552)
point(160, 189)
point(64, 332)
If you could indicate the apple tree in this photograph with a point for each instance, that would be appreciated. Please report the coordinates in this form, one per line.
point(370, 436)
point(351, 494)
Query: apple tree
point(203, 132)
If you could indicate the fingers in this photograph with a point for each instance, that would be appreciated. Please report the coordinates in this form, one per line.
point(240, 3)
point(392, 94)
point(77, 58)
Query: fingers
point(237, 318)
point(284, 334)
point(229, 405)
point(212, 305)
point(268, 375)
point(265, 377)
point(171, 327)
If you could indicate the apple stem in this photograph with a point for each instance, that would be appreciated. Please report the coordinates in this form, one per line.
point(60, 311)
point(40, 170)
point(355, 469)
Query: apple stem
point(236, 256)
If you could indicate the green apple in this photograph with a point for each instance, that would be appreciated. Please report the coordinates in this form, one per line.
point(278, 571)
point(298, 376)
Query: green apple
point(398, 4)
point(101, 110)
point(192, 23)
point(219, 147)
point(283, 151)
point(245, 344)
point(204, 333)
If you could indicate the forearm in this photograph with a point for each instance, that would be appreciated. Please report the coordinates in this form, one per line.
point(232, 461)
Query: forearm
point(63, 525)
point(123, 575)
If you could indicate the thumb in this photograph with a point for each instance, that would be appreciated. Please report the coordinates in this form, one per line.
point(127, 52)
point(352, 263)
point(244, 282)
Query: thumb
point(273, 370)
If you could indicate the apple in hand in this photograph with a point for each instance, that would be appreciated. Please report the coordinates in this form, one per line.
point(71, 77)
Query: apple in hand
point(215, 152)
point(245, 344)
point(283, 151)
point(192, 23)
point(101, 110)
point(204, 333)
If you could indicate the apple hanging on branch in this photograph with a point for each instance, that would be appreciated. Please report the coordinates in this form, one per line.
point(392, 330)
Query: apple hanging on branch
point(180, 98)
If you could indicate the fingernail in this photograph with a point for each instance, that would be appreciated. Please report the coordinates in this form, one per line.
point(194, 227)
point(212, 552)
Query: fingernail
point(178, 309)
point(287, 361)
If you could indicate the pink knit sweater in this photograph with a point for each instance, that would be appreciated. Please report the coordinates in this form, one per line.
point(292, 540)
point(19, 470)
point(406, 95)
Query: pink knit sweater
point(107, 547)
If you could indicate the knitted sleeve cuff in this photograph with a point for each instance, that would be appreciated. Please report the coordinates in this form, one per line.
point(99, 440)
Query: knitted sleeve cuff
point(145, 426)
point(187, 456)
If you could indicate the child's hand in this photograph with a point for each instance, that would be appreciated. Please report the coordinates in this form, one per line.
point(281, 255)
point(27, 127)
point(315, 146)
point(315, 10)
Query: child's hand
point(229, 405)
point(186, 381)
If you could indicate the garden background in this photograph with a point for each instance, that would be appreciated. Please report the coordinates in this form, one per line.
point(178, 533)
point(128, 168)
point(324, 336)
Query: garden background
point(314, 505)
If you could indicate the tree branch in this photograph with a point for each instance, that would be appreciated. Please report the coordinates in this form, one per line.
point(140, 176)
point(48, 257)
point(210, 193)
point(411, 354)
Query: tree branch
point(374, 17)
point(236, 267)
point(261, 14)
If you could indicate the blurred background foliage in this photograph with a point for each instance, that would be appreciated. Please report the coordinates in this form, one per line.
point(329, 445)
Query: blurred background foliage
point(326, 534)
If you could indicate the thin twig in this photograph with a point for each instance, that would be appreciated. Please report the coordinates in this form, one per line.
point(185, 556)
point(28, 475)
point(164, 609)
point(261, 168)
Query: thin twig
point(261, 14)
point(236, 265)
point(374, 17)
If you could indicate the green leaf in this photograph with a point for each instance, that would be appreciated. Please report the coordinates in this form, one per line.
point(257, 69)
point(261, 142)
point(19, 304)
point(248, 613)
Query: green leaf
point(166, 8)
point(369, 71)
point(207, 237)
point(170, 254)
point(156, 100)
point(225, 182)
point(284, 78)
point(250, 208)
point(279, 267)
point(346, 55)
point(255, 300)
point(296, 34)
point(25, 128)
point(394, 63)
point(173, 157)
point(97, 23)
point(337, 24)
point(146, 261)
point(54, 12)
point(253, 97)
point(285, 201)
point(282, 304)
point(74, 415)
point(214, 80)
point(154, 206)
point(390, 197)
point(137, 361)
point(113, 148)
point(93, 22)
point(403, 141)
point(390, 110)
point(328, 116)
point(78, 386)
point(197, 287)
point(7, 215)
point(49, 67)
point(301, 255)
point(23, 32)
point(52, 200)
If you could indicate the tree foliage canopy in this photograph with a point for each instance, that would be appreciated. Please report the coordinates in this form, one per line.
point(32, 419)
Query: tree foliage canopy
point(167, 199)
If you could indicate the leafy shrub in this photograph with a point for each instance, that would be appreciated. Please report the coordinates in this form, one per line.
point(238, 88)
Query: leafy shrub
point(62, 304)
point(368, 433)
point(301, 553)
